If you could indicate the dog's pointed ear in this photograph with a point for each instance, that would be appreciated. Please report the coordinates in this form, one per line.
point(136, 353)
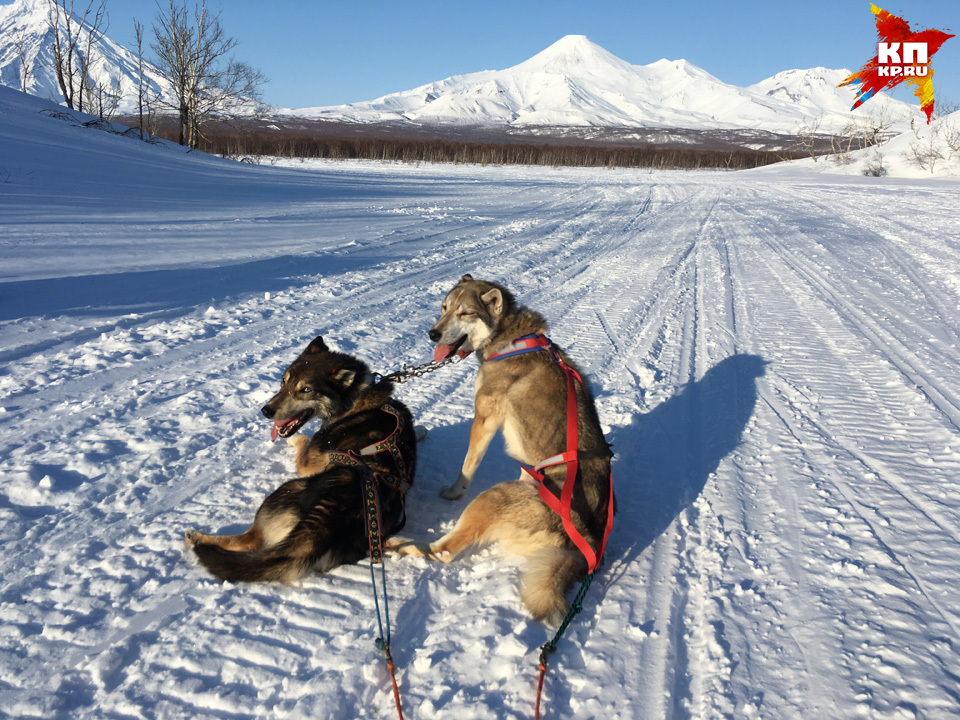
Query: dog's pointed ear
point(466, 278)
point(345, 376)
point(493, 299)
point(317, 345)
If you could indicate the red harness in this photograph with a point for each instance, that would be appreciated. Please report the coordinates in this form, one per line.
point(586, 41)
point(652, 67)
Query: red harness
point(561, 505)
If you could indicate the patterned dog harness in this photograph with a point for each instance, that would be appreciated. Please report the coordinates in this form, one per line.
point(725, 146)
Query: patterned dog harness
point(371, 497)
point(561, 505)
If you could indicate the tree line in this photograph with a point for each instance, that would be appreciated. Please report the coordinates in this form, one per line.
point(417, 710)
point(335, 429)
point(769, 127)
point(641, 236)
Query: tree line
point(236, 143)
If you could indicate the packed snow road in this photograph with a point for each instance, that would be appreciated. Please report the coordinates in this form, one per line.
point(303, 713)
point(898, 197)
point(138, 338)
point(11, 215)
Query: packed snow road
point(774, 359)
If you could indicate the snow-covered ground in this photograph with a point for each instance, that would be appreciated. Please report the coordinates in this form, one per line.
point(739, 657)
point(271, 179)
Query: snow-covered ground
point(774, 358)
point(928, 151)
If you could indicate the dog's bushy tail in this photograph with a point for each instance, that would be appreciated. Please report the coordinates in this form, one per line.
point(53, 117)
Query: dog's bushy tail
point(550, 573)
point(277, 563)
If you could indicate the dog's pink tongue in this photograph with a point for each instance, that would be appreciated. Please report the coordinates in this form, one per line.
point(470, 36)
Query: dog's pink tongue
point(278, 426)
point(442, 352)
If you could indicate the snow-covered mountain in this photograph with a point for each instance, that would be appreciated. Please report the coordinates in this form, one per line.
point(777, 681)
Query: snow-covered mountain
point(26, 38)
point(575, 82)
point(815, 92)
point(572, 83)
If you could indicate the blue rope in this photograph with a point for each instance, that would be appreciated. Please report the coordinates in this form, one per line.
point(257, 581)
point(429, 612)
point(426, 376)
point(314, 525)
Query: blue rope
point(575, 607)
point(382, 642)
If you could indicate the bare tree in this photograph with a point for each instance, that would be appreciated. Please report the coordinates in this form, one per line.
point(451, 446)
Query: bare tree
point(944, 140)
point(865, 131)
point(25, 69)
point(192, 52)
point(844, 142)
point(807, 136)
point(71, 61)
point(138, 30)
point(875, 127)
point(942, 107)
point(951, 134)
point(107, 98)
point(925, 152)
point(237, 84)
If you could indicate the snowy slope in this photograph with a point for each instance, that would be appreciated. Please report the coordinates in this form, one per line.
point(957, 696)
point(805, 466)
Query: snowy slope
point(928, 151)
point(815, 91)
point(774, 359)
point(575, 82)
point(113, 66)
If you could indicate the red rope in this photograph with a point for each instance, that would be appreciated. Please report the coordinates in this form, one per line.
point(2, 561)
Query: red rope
point(543, 671)
point(396, 690)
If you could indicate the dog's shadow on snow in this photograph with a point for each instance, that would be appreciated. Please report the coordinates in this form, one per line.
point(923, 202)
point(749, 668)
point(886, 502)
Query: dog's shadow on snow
point(662, 462)
point(664, 458)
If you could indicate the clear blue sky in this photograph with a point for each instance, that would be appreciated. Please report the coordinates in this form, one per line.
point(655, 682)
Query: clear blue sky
point(326, 52)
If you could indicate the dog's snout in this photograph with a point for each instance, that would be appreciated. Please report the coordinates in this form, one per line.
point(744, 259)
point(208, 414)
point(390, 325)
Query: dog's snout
point(435, 334)
point(268, 412)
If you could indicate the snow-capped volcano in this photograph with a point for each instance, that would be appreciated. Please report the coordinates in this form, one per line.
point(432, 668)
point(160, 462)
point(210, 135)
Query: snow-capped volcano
point(815, 91)
point(572, 83)
point(26, 38)
point(575, 82)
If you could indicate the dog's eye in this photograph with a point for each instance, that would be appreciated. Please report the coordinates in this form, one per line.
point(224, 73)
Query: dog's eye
point(468, 314)
point(306, 390)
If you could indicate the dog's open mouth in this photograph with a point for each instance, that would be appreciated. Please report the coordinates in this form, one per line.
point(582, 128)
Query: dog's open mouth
point(442, 352)
point(286, 428)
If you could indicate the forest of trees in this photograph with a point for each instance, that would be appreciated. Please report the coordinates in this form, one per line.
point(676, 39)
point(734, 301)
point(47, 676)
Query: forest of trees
point(233, 142)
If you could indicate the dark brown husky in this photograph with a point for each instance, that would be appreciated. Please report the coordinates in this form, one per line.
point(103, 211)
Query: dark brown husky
point(317, 522)
point(525, 396)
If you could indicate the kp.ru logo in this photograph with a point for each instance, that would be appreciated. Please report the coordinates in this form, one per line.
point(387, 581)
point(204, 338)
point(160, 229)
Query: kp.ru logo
point(901, 56)
point(914, 63)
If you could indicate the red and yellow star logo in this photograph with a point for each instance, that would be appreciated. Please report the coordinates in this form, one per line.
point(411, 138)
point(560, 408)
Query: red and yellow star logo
point(902, 56)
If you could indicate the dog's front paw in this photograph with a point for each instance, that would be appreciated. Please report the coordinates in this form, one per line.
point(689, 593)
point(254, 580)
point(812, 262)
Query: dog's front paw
point(420, 433)
point(392, 543)
point(404, 546)
point(452, 492)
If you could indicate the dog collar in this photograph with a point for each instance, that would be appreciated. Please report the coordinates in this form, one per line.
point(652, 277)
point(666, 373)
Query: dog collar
point(525, 344)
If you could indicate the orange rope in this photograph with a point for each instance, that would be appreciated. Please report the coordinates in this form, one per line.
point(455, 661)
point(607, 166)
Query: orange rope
point(396, 690)
point(543, 671)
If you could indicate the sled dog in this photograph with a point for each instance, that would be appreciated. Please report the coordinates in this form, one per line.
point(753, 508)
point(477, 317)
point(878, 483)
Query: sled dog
point(524, 394)
point(317, 521)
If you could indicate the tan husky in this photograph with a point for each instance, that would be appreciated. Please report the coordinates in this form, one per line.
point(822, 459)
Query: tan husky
point(525, 395)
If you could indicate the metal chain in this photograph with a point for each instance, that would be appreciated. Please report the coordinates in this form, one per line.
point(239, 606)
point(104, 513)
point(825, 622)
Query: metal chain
point(411, 371)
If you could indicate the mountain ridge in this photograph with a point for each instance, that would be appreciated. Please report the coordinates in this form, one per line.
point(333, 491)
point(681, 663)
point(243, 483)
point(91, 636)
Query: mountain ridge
point(572, 83)
point(575, 82)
